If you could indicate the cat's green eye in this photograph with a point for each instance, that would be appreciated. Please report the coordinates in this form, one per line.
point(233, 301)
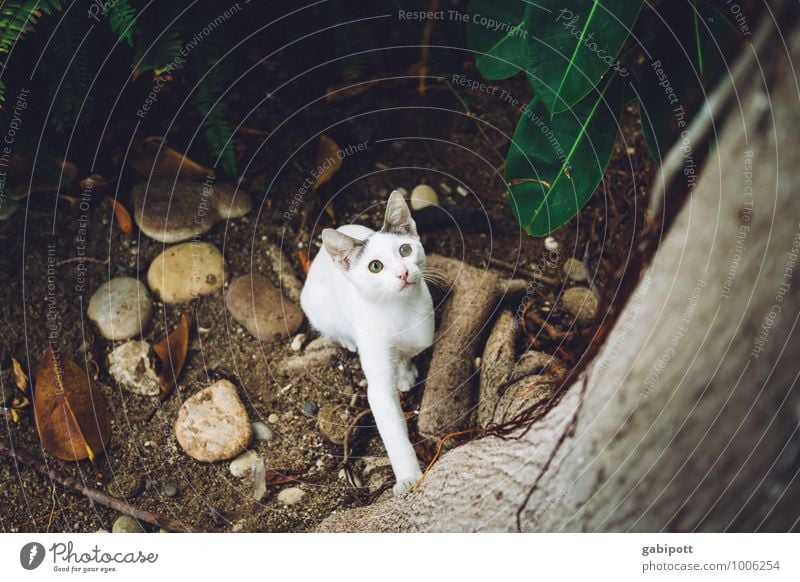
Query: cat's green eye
point(405, 250)
point(375, 266)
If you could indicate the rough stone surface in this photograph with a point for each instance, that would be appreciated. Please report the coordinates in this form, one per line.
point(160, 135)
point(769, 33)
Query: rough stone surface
point(333, 422)
point(131, 366)
point(126, 524)
point(575, 269)
point(291, 495)
point(120, 308)
point(255, 303)
point(173, 212)
point(243, 465)
point(212, 425)
point(581, 303)
point(185, 271)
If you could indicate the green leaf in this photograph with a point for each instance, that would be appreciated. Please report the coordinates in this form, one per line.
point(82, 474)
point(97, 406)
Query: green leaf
point(496, 35)
point(555, 164)
point(122, 18)
point(572, 44)
point(687, 56)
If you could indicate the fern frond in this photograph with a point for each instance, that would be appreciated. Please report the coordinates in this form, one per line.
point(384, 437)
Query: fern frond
point(157, 50)
point(122, 18)
point(18, 18)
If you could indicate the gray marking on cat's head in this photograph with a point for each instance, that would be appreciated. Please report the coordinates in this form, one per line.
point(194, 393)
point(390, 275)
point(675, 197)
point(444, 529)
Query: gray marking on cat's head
point(397, 219)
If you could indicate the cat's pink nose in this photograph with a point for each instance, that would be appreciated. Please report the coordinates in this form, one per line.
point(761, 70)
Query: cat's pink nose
point(403, 275)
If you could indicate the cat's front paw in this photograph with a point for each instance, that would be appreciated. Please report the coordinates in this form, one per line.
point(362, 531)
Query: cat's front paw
point(404, 486)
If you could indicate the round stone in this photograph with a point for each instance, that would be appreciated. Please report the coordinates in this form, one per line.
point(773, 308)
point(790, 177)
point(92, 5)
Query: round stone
point(120, 308)
point(170, 490)
point(212, 425)
point(126, 524)
point(262, 431)
point(170, 212)
point(581, 302)
point(186, 271)
point(291, 495)
point(243, 465)
point(575, 270)
point(310, 408)
point(132, 367)
point(273, 418)
point(263, 311)
point(126, 487)
point(422, 196)
point(333, 422)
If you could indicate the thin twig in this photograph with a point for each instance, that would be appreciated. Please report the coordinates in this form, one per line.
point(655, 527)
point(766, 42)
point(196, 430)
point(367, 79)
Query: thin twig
point(79, 259)
point(95, 495)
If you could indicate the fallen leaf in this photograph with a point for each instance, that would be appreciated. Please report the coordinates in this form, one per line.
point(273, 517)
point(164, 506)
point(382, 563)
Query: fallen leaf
point(70, 412)
point(328, 161)
point(305, 264)
point(122, 216)
point(171, 351)
point(153, 158)
point(19, 375)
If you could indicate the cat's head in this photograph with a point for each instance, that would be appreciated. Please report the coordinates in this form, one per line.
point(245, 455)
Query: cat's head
point(388, 263)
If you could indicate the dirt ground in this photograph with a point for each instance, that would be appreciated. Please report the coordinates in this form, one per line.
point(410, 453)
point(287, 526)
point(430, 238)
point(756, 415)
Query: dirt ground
point(429, 139)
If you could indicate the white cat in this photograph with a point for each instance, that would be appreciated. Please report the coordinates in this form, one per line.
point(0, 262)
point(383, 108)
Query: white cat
point(366, 291)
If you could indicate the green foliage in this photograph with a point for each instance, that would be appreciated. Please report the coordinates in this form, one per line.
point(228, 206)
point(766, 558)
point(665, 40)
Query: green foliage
point(121, 18)
point(566, 155)
point(570, 52)
point(19, 18)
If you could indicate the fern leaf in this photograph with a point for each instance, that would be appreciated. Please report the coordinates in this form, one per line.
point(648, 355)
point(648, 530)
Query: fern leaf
point(122, 18)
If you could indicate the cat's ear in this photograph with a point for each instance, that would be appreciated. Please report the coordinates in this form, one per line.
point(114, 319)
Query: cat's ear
point(343, 249)
point(398, 216)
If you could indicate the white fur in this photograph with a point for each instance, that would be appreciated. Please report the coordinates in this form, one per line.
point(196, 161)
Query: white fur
point(377, 314)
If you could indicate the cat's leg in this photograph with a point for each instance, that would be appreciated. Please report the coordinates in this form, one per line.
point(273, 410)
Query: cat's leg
point(384, 401)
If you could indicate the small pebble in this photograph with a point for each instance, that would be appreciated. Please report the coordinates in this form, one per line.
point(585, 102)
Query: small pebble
point(126, 524)
point(170, 490)
point(551, 244)
point(310, 408)
point(423, 196)
point(298, 341)
point(461, 190)
point(444, 187)
point(262, 432)
point(273, 418)
point(291, 495)
point(575, 270)
point(581, 302)
point(120, 308)
point(362, 383)
point(242, 465)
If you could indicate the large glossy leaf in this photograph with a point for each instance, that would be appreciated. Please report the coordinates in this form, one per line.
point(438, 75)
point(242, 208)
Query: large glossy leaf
point(687, 56)
point(495, 33)
point(571, 45)
point(554, 165)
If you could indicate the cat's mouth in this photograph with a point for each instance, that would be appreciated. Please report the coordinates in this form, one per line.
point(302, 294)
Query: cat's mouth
point(407, 284)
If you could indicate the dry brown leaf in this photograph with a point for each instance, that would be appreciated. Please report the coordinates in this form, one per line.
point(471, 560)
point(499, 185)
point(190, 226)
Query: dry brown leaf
point(122, 216)
point(70, 412)
point(153, 158)
point(304, 262)
point(171, 351)
point(19, 375)
point(328, 161)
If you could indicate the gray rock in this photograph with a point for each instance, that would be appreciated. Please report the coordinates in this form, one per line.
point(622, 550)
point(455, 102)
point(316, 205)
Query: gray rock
point(212, 425)
point(170, 490)
point(291, 495)
point(132, 367)
point(581, 302)
point(172, 212)
point(310, 408)
point(121, 308)
point(186, 271)
point(262, 431)
point(126, 524)
point(263, 311)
